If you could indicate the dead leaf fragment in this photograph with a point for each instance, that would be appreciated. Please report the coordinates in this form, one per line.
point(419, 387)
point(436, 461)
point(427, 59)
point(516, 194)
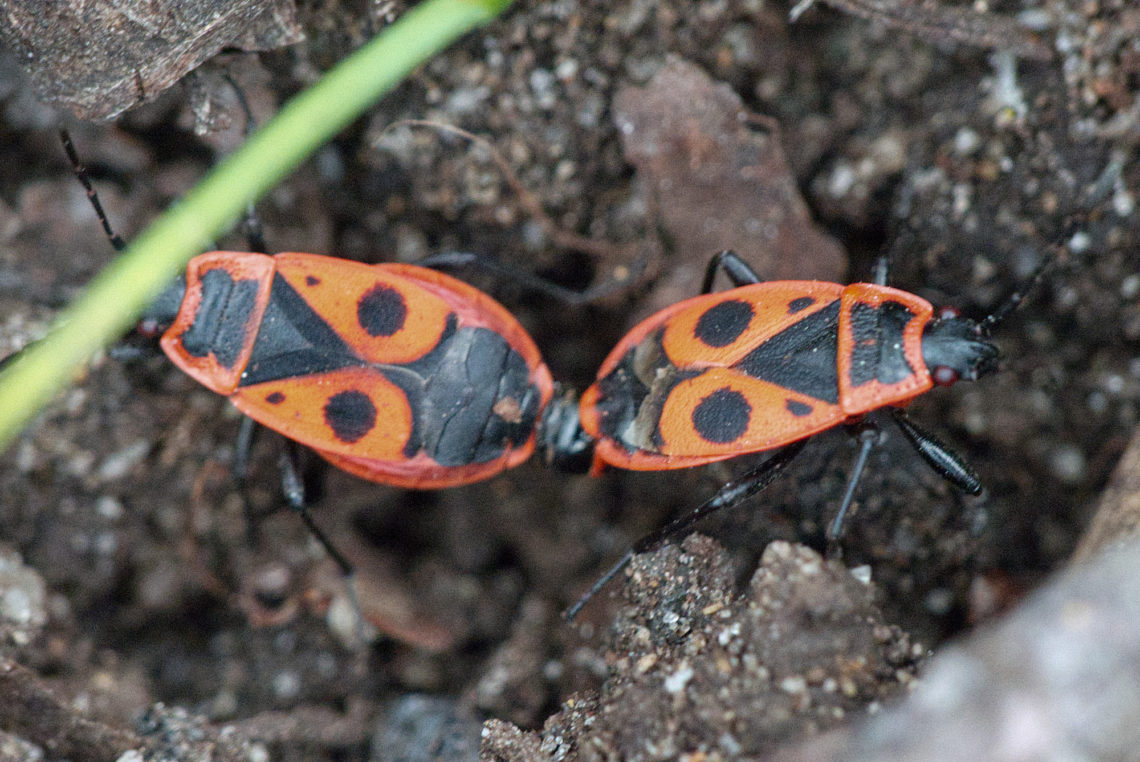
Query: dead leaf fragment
point(719, 182)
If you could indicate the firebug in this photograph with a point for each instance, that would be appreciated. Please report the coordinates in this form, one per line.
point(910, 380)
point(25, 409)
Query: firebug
point(396, 373)
point(764, 366)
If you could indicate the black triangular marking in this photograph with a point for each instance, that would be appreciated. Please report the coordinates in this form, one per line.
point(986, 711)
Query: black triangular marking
point(294, 340)
point(803, 357)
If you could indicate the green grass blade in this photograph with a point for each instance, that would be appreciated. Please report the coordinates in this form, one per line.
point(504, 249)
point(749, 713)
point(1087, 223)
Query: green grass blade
point(113, 300)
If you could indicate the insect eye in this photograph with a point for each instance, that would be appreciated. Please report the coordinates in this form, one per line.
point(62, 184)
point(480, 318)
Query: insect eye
point(948, 313)
point(944, 375)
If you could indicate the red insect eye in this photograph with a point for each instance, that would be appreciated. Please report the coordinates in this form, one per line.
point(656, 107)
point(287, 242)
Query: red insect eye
point(943, 375)
point(948, 313)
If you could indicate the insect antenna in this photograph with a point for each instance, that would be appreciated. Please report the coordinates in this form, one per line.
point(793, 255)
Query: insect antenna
point(1015, 299)
point(1068, 240)
point(81, 174)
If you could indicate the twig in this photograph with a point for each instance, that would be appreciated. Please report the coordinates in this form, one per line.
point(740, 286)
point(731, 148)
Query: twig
point(313, 726)
point(941, 23)
point(32, 712)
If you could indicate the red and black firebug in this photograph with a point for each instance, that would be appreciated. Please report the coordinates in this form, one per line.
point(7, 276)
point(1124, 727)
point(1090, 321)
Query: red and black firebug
point(762, 367)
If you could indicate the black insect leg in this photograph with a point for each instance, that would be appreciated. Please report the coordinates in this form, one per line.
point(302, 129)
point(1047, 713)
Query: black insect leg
point(728, 496)
point(466, 260)
point(735, 269)
point(243, 445)
point(868, 438)
point(247, 432)
point(947, 463)
point(293, 488)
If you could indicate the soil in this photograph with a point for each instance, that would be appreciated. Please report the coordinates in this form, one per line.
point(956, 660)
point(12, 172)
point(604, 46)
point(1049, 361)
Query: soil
point(159, 604)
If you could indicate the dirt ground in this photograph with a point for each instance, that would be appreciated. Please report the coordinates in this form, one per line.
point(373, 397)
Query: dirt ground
point(155, 605)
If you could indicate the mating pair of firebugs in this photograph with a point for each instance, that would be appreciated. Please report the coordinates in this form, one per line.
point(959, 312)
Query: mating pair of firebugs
point(402, 375)
point(406, 376)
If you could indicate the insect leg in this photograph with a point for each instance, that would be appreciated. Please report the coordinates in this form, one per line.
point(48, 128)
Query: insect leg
point(293, 487)
point(247, 433)
point(736, 269)
point(947, 463)
point(868, 438)
point(728, 496)
point(464, 259)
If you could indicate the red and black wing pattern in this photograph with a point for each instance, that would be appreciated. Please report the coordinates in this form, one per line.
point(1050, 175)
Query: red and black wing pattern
point(395, 373)
point(719, 375)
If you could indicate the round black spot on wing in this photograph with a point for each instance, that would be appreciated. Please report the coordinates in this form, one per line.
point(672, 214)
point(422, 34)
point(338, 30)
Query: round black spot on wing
point(350, 415)
point(722, 416)
point(800, 304)
point(275, 398)
point(381, 311)
point(723, 323)
point(312, 280)
point(797, 408)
